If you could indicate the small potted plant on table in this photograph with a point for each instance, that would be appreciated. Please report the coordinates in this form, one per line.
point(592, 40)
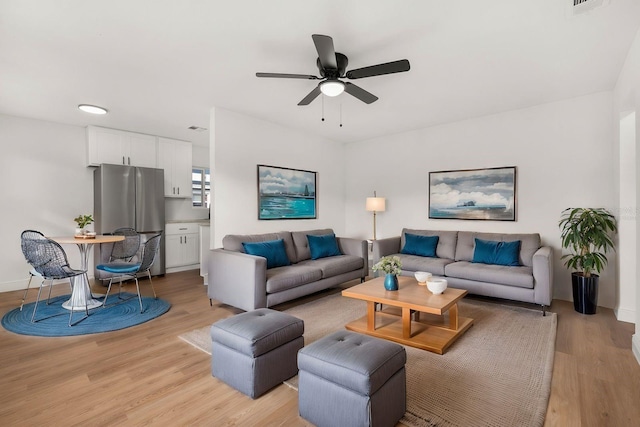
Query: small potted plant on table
point(392, 266)
point(82, 221)
point(586, 232)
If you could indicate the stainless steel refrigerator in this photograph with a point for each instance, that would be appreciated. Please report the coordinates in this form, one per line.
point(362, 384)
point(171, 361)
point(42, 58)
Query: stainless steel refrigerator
point(127, 196)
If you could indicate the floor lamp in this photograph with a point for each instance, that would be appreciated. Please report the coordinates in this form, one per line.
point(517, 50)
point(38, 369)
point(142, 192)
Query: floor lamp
point(375, 204)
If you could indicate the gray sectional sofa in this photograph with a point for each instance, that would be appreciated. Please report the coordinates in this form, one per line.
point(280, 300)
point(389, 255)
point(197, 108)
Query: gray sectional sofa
point(531, 281)
point(244, 281)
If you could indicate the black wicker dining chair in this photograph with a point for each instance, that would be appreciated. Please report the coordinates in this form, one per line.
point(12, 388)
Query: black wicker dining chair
point(126, 249)
point(126, 270)
point(49, 260)
point(24, 237)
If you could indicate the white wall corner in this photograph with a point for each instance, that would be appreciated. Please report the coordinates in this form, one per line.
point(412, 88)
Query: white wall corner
point(625, 315)
point(635, 346)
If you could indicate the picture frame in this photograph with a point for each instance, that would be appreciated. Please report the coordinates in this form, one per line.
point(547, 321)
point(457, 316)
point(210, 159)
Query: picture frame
point(473, 194)
point(285, 193)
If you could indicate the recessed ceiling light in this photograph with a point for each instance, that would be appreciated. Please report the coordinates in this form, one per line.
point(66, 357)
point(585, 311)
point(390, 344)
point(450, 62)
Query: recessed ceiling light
point(93, 109)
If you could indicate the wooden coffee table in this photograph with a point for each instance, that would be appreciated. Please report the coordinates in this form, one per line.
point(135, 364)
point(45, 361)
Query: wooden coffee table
point(413, 315)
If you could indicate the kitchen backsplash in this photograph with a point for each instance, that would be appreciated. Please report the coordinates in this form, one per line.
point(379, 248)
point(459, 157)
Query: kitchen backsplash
point(182, 209)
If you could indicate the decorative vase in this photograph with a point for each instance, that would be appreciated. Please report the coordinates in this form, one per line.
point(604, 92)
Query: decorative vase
point(79, 231)
point(391, 282)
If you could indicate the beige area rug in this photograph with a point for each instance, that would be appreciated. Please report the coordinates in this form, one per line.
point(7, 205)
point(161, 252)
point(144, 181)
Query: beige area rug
point(497, 374)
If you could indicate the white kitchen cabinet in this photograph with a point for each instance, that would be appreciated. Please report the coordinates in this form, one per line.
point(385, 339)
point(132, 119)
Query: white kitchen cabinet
point(182, 246)
point(175, 157)
point(120, 147)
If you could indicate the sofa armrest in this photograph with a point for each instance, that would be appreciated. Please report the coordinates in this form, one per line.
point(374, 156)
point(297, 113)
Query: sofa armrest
point(543, 275)
point(355, 247)
point(384, 247)
point(237, 279)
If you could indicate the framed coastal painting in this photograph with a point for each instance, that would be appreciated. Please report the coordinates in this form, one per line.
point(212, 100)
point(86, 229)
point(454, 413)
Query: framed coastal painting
point(477, 194)
point(285, 193)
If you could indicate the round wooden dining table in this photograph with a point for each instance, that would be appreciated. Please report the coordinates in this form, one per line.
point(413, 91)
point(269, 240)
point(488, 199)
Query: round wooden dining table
point(81, 292)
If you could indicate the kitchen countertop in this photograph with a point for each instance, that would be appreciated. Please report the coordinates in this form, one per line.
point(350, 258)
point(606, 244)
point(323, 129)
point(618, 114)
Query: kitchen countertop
point(190, 221)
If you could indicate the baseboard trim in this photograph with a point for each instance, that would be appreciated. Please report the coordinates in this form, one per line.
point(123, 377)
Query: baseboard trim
point(15, 285)
point(21, 285)
point(625, 315)
point(635, 346)
point(183, 268)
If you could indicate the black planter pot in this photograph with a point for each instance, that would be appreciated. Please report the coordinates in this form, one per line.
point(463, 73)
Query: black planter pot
point(585, 293)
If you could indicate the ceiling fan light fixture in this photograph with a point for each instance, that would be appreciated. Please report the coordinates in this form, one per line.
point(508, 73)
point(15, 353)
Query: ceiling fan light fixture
point(332, 87)
point(93, 109)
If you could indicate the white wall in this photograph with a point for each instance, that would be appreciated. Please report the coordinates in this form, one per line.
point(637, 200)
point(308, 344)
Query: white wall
point(562, 151)
point(627, 101)
point(238, 144)
point(45, 185)
point(625, 167)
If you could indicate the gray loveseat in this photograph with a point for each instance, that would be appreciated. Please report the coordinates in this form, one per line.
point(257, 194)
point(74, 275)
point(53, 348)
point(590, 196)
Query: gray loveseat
point(531, 281)
point(244, 281)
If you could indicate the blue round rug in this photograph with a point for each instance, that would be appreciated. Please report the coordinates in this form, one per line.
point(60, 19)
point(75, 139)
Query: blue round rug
point(55, 319)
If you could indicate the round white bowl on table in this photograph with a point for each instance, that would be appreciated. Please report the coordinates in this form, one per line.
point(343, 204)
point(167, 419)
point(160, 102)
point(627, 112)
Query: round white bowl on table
point(422, 277)
point(437, 286)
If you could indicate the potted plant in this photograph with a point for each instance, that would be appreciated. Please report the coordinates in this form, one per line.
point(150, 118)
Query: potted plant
point(586, 233)
point(82, 221)
point(392, 266)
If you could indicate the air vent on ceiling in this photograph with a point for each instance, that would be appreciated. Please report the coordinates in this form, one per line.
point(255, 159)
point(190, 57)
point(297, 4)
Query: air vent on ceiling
point(577, 7)
point(197, 128)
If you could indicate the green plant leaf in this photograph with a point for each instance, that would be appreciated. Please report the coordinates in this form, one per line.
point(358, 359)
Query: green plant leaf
point(586, 233)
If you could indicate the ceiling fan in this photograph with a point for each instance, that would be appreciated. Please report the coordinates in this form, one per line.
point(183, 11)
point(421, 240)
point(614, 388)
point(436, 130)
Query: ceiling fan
point(332, 66)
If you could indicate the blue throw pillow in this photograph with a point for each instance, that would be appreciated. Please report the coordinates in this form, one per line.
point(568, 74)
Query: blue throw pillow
point(415, 244)
point(500, 253)
point(323, 246)
point(272, 250)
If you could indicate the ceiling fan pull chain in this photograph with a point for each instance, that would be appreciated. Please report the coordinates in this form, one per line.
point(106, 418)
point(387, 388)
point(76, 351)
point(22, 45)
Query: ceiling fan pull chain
point(323, 108)
point(341, 114)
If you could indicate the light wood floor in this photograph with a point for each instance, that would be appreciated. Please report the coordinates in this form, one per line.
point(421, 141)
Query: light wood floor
point(145, 375)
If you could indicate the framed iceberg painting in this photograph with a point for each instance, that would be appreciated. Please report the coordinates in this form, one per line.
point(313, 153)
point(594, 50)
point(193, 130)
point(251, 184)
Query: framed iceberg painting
point(476, 194)
point(285, 193)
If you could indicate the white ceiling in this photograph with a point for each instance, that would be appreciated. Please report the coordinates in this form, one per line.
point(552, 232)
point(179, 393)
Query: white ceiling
point(160, 66)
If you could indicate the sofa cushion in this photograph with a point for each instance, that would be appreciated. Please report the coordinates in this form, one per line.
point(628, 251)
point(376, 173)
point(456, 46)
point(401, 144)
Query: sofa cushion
point(446, 241)
point(272, 250)
point(283, 278)
point(335, 265)
point(415, 244)
point(500, 253)
point(301, 243)
point(323, 246)
point(413, 263)
point(530, 243)
point(521, 277)
point(233, 242)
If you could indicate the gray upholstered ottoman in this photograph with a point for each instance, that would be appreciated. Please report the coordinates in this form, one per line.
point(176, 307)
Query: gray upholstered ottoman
point(349, 379)
point(255, 351)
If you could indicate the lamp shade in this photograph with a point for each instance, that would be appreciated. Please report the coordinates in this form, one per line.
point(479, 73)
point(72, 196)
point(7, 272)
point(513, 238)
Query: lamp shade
point(376, 204)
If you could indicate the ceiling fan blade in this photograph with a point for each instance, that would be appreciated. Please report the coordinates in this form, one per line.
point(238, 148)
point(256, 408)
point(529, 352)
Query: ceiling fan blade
point(380, 69)
point(312, 95)
point(287, 76)
point(360, 93)
point(326, 52)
